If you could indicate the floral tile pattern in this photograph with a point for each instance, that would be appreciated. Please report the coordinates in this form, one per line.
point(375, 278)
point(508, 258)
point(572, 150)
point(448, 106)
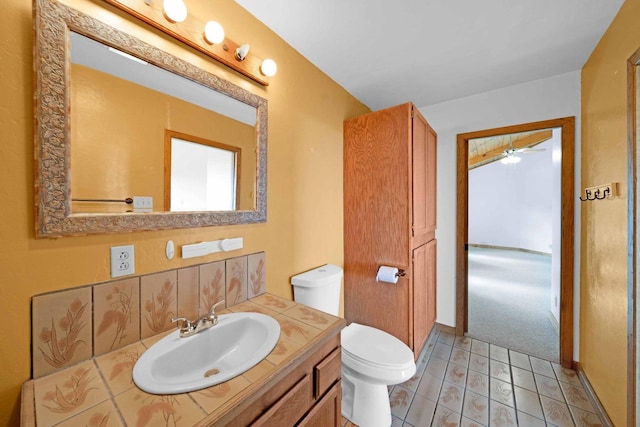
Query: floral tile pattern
point(296, 331)
point(141, 409)
point(61, 334)
point(213, 397)
point(117, 367)
point(101, 392)
point(159, 302)
point(259, 371)
point(257, 274)
point(274, 303)
point(250, 306)
point(283, 350)
point(67, 393)
point(470, 383)
point(115, 315)
point(73, 325)
point(102, 415)
point(236, 280)
point(310, 316)
point(212, 285)
point(400, 399)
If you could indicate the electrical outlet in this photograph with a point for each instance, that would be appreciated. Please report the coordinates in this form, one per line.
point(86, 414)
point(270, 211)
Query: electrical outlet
point(142, 204)
point(122, 261)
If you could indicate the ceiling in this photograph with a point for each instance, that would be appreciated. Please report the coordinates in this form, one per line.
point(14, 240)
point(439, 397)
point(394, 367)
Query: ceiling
point(430, 51)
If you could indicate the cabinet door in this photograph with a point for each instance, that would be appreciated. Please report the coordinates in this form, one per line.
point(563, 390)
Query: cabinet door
point(420, 298)
point(424, 293)
point(431, 284)
point(423, 180)
point(326, 412)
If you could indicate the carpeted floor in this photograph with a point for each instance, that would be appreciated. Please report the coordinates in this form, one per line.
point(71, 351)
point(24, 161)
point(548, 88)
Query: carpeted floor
point(509, 301)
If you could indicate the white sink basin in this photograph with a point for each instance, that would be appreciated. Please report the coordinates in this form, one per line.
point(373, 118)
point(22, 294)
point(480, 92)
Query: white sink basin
point(177, 365)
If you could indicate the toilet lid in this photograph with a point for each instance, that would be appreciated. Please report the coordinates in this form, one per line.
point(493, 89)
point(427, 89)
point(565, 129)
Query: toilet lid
point(375, 346)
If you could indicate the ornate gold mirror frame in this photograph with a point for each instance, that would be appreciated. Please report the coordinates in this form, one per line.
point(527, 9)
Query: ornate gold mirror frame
point(52, 24)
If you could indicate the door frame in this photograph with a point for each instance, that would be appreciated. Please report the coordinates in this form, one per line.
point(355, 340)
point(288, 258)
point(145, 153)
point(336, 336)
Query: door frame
point(633, 239)
point(567, 200)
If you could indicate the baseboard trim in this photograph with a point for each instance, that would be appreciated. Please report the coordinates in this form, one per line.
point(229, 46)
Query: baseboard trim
point(508, 248)
point(602, 413)
point(445, 328)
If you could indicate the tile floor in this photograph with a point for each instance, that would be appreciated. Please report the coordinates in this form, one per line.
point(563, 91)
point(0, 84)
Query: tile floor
point(461, 381)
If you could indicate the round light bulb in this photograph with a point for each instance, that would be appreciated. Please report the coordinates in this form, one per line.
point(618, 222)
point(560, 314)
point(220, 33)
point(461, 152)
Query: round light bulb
point(213, 32)
point(175, 10)
point(269, 67)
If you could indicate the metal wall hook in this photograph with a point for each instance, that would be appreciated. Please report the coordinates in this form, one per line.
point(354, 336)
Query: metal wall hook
point(605, 193)
point(601, 192)
point(587, 194)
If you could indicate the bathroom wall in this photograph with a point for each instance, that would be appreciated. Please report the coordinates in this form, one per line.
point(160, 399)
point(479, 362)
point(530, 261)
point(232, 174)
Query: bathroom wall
point(603, 342)
point(304, 224)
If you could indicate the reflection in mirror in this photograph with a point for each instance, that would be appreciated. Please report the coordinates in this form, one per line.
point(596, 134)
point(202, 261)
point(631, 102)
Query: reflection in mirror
point(121, 107)
point(113, 144)
point(201, 175)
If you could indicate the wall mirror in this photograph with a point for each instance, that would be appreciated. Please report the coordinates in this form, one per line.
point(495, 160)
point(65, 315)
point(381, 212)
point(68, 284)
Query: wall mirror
point(105, 103)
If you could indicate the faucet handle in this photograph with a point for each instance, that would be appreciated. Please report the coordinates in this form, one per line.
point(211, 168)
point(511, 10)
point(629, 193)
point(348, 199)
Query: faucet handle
point(183, 323)
point(213, 309)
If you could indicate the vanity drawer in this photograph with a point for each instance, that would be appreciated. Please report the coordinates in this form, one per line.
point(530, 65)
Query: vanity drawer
point(326, 373)
point(292, 406)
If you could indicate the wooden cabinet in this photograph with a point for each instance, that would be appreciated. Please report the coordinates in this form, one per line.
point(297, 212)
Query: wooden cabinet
point(306, 393)
point(390, 219)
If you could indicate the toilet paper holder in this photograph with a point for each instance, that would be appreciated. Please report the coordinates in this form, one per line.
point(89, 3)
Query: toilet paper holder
point(389, 274)
point(401, 272)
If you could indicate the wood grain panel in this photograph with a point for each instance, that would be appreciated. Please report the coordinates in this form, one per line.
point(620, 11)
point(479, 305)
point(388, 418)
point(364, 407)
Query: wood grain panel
point(327, 372)
point(327, 412)
point(377, 217)
point(291, 406)
point(432, 284)
point(424, 181)
point(420, 177)
point(420, 298)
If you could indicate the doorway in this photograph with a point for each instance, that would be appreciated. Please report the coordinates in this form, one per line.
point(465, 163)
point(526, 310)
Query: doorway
point(567, 127)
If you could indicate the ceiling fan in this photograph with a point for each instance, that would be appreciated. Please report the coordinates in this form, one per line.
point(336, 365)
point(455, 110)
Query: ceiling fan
point(510, 155)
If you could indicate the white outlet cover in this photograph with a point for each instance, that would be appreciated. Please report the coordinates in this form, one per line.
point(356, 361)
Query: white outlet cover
point(122, 261)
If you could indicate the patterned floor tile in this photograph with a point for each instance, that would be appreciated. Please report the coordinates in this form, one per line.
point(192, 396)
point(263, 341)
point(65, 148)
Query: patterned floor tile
point(470, 383)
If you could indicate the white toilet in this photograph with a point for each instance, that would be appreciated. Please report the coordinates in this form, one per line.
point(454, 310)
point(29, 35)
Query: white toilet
point(371, 359)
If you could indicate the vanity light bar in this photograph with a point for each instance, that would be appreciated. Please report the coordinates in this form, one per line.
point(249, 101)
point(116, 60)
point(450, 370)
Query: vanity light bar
point(189, 31)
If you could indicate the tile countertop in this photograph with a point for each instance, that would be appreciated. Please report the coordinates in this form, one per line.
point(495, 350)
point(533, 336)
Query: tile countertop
point(101, 392)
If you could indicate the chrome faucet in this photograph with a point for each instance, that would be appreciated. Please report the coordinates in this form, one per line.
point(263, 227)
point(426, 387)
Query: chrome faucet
point(188, 328)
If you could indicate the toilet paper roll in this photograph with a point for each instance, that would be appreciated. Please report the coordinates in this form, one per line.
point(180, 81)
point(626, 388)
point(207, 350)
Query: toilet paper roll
point(387, 274)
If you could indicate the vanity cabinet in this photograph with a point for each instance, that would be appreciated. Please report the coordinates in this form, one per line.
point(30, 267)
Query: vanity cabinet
point(390, 219)
point(305, 393)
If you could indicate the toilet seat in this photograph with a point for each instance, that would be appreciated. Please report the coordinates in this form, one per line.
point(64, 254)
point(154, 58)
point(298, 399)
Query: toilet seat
point(375, 349)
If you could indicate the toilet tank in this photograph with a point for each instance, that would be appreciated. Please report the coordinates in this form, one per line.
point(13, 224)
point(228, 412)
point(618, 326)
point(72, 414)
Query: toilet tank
point(319, 288)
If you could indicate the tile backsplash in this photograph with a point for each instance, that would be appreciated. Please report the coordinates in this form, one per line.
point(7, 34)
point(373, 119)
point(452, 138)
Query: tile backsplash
point(73, 325)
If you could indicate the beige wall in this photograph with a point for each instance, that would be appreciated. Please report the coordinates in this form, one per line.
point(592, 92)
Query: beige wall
point(304, 227)
point(603, 307)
